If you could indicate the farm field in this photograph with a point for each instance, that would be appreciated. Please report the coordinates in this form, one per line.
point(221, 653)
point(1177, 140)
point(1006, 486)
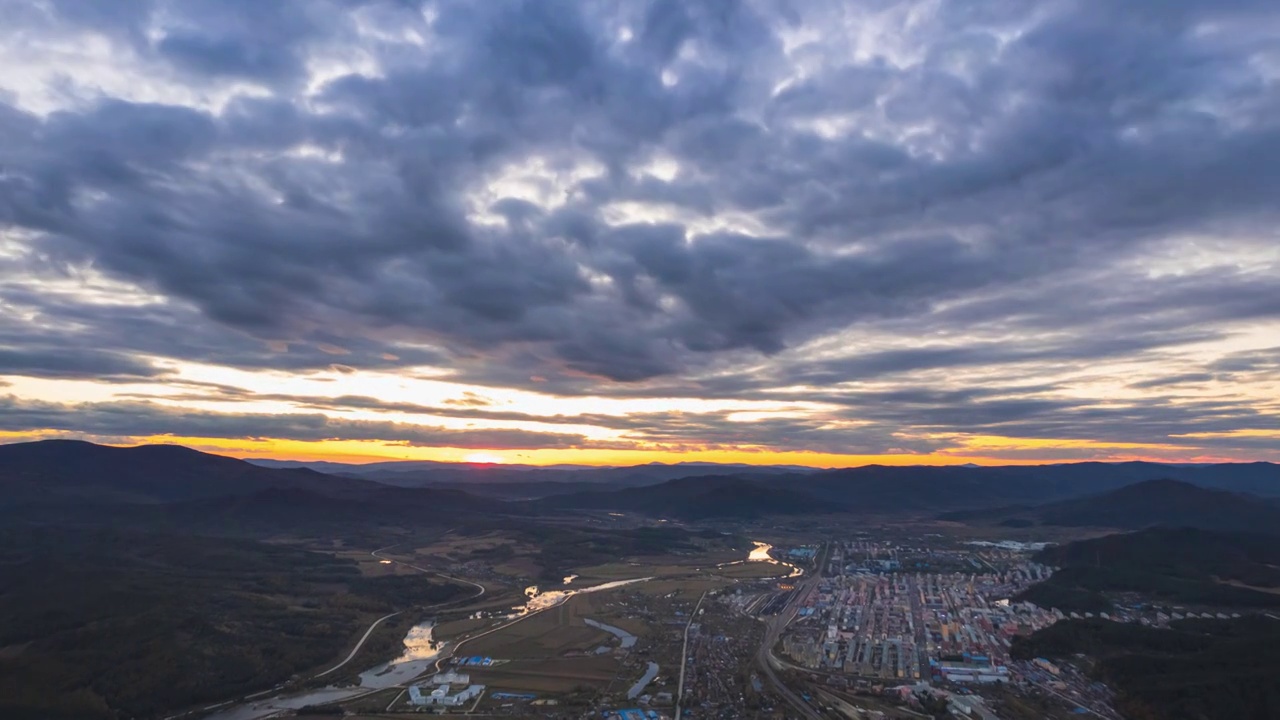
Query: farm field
point(683, 588)
point(552, 633)
point(371, 566)
point(453, 628)
point(753, 570)
point(549, 675)
point(459, 547)
point(625, 570)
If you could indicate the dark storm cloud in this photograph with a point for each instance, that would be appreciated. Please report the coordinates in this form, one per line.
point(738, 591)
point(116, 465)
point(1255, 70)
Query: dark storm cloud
point(1266, 361)
point(240, 39)
point(984, 186)
point(1181, 379)
point(145, 419)
point(903, 362)
point(243, 38)
point(1153, 420)
point(869, 422)
point(57, 331)
point(66, 363)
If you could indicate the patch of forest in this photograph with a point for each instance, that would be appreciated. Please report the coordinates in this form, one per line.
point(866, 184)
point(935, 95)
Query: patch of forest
point(561, 549)
point(1181, 566)
point(1193, 670)
point(113, 623)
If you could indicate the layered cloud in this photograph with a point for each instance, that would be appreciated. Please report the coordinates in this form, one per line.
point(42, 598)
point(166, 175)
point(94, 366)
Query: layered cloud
point(962, 229)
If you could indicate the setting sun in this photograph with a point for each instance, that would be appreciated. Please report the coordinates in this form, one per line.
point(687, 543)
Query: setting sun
point(484, 458)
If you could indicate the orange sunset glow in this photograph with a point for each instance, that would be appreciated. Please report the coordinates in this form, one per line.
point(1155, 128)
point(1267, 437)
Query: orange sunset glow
point(659, 359)
point(819, 246)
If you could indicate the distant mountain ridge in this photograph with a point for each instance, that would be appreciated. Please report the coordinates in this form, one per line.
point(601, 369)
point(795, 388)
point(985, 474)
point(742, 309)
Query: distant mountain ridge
point(879, 487)
point(1151, 503)
point(65, 482)
point(60, 470)
point(515, 480)
point(418, 465)
point(871, 488)
point(699, 498)
point(64, 473)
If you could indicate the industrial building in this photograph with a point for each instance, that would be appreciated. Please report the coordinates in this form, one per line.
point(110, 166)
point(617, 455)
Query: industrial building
point(440, 696)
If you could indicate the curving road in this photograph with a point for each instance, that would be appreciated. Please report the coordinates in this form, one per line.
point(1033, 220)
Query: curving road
point(769, 664)
point(447, 653)
point(359, 644)
point(480, 590)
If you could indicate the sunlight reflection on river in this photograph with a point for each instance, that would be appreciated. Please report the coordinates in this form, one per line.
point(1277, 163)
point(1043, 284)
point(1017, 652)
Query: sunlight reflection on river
point(419, 656)
point(760, 553)
point(541, 600)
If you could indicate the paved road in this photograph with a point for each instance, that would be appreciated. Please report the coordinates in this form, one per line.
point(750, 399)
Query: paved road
point(766, 661)
point(921, 638)
point(464, 639)
point(773, 629)
point(359, 645)
point(684, 655)
point(479, 588)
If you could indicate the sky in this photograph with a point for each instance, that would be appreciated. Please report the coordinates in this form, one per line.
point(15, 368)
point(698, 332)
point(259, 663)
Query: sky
point(806, 231)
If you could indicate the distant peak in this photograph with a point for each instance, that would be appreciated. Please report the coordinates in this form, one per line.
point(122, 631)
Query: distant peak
point(1165, 484)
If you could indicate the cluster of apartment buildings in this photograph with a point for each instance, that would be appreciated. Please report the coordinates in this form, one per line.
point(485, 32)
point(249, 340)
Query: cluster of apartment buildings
point(969, 621)
point(876, 620)
point(860, 626)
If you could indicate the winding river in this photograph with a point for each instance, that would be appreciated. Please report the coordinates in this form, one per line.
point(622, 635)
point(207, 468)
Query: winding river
point(760, 553)
point(419, 656)
point(421, 651)
point(543, 599)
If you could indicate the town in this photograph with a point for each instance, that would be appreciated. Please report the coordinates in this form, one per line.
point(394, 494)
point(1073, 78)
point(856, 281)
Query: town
point(871, 619)
point(869, 627)
point(887, 623)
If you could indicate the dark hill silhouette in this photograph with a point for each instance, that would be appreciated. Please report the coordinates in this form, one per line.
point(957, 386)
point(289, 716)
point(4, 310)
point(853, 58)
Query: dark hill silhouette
point(918, 489)
point(1185, 566)
point(696, 498)
point(879, 488)
point(53, 471)
point(1150, 503)
point(1170, 503)
point(518, 490)
point(60, 472)
point(521, 480)
point(874, 487)
point(1209, 552)
point(1192, 670)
